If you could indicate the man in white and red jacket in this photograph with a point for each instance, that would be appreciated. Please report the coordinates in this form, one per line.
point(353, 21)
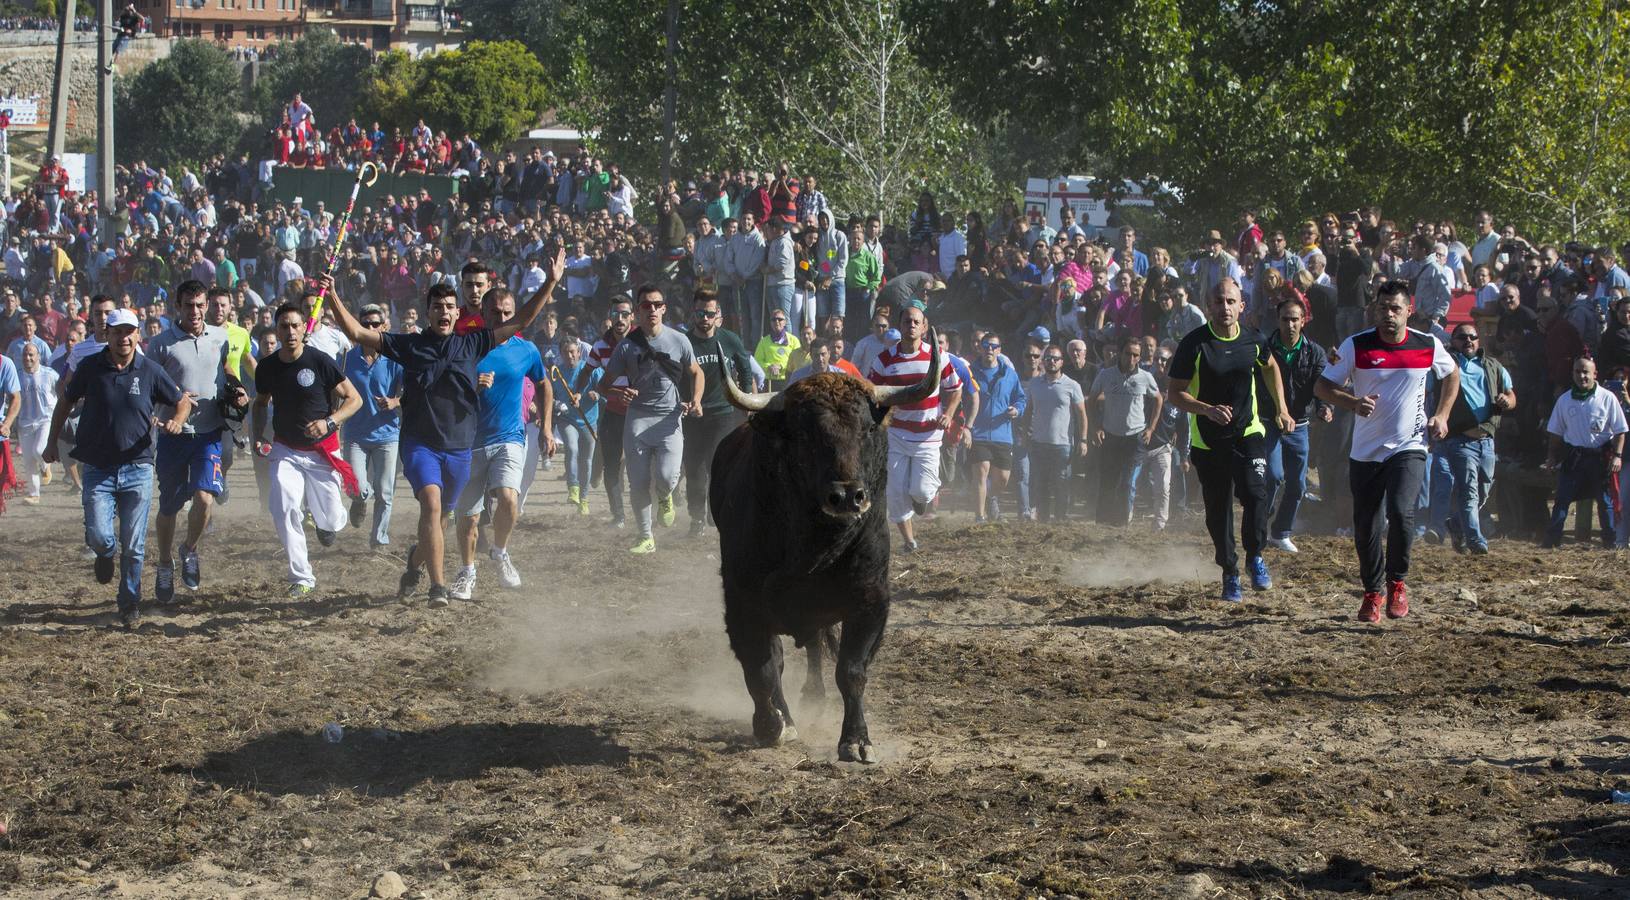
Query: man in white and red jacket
point(916, 430)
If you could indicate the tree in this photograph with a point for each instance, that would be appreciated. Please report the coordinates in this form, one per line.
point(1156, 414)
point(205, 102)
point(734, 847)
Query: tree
point(182, 108)
point(889, 124)
point(325, 71)
point(492, 90)
point(389, 92)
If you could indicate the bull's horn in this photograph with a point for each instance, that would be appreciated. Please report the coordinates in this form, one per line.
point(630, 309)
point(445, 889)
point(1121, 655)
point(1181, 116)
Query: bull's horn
point(755, 402)
point(905, 394)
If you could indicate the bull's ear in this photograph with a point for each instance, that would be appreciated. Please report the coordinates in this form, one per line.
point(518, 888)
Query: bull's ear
point(879, 413)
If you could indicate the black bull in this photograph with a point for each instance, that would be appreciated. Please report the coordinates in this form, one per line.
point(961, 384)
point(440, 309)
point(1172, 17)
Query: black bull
point(797, 494)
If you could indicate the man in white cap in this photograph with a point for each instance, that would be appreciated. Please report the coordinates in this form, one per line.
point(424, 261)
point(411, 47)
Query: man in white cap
point(122, 390)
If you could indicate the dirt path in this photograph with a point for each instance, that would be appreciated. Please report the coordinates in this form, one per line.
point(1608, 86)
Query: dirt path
point(1061, 711)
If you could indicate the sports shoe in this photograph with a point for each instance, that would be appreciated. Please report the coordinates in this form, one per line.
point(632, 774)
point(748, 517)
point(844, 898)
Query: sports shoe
point(507, 575)
point(574, 494)
point(1231, 592)
point(697, 526)
point(646, 544)
point(1370, 609)
point(619, 523)
point(410, 578)
point(359, 511)
point(665, 506)
point(1283, 543)
point(1397, 600)
point(1260, 579)
point(104, 568)
point(191, 573)
point(130, 619)
point(325, 537)
point(438, 597)
point(908, 548)
point(164, 584)
point(299, 591)
point(1481, 549)
point(583, 506)
point(978, 519)
point(463, 584)
point(1432, 535)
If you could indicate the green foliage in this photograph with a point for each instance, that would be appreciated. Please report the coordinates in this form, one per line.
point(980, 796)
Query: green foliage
point(327, 72)
point(182, 108)
point(45, 8)
point(492, 90)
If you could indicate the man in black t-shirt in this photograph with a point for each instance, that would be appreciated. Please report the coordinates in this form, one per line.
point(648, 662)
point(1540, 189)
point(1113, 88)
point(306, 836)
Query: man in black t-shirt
point(310, 397)
point(1214, 377)
point(715, 346)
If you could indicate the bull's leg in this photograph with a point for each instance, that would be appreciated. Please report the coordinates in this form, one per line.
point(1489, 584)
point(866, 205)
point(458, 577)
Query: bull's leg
point(862, 632)
point(815, 680)
point(759, 652)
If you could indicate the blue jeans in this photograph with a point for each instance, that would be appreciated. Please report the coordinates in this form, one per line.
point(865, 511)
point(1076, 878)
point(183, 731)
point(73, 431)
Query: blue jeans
point(1021, 475)
point(1584, 474)
point(1462, 472)
point(778, 297)
point(1050, 473)
point(375, 466)
point(124, 492)
point(1287, 465)
point(830, 301)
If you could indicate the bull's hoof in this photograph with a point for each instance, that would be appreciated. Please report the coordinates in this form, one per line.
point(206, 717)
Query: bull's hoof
point(769, 728)
point(861, 753)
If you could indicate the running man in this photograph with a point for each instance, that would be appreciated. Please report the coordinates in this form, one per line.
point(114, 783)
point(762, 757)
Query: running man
point(439, 404)
point(713, 346)
point(615, 412)
point(1221, 361)
point(917, 430)
point(194, 354)
point(499, 457)
point(240, 364)
point(655, 361)
point(122, 391)
point(307, 474)
point(373, 435)
point(1387, 367)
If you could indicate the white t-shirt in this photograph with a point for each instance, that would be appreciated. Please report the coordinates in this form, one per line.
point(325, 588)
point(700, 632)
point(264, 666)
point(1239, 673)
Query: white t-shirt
point(1587, 423)
point(330, 342)
point(1396, 375)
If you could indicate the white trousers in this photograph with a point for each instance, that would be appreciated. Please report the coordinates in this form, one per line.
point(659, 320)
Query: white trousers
point(31, 441)
point(302, 481)
point(914, 474)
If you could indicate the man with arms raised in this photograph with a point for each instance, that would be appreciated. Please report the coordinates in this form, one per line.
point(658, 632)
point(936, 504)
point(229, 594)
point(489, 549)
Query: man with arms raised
point(1387, 367)
point(439, 400)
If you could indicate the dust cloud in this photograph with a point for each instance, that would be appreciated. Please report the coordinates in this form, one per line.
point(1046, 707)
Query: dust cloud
point(1133, 566)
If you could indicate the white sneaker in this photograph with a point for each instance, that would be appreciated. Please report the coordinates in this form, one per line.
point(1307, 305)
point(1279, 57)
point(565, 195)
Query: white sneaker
point(507, 575)
point(1283, 544)
point(463, 584)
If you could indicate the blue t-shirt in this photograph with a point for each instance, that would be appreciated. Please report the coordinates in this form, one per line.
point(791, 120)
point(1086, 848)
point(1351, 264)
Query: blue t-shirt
point(116, 422)
point(373, 424)
point(439, 396)
point(501, 413)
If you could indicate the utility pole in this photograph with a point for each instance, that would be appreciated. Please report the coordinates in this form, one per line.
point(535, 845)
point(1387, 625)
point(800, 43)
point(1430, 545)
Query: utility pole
point(105, 24)
point(670, 97)
point(57, 132)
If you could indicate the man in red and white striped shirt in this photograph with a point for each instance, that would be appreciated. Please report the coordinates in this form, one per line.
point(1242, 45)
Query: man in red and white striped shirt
point(916, 430)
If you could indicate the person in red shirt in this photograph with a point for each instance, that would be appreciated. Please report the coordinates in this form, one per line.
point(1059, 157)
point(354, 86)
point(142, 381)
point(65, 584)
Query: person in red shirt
point(53, 186)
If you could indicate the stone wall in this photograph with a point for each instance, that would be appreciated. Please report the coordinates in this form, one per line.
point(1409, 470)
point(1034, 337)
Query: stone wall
point(27, 69)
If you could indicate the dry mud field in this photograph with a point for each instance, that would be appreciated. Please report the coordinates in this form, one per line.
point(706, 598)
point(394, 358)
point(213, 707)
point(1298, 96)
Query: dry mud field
point(1061, 711)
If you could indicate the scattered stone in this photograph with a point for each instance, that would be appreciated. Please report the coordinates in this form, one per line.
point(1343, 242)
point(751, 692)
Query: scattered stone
point(1388, 794)
point(1466, 595)
point(388, 886)
point(82, 864)
point(306, 844)
point(1197, 886)
point(984, 804)
point(1100, 743)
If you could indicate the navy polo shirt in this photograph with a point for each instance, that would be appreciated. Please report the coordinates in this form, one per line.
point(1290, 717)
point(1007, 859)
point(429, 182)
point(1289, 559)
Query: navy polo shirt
point(116, 422)
point(439, 397)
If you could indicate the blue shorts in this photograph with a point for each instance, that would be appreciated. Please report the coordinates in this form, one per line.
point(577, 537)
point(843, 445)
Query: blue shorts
point(446, 469)
point(187, 464)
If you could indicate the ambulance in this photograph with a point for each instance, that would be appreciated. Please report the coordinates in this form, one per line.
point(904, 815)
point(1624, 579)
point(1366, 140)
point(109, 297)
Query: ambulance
point(1044, 197)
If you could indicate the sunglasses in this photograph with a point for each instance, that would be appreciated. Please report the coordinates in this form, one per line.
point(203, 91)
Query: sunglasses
point(707, 314)
point(779, 321)
point(1057, 359)
point(621, 313)
point(992, 346)
point(374, 324)
point(1035, 356)
point(646, 304)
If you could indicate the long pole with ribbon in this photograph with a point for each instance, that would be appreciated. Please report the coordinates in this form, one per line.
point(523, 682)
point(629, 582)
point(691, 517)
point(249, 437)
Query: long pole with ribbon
point(367, 173)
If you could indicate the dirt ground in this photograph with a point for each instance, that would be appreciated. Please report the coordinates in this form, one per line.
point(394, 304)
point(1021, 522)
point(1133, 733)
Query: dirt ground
point(1062, 711)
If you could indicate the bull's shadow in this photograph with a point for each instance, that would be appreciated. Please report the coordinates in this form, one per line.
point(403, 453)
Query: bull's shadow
point(301, 762)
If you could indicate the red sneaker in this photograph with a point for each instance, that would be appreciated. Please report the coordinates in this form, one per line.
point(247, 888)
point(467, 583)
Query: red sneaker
point(1370, 611)
point(1397, 603)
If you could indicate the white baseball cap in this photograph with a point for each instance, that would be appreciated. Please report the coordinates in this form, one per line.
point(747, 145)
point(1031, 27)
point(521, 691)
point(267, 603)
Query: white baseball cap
point(123, 317)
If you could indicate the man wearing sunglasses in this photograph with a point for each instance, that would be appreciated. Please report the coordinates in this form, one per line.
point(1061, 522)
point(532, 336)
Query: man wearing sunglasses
point(1463, 462)
point(664, 386)
point(615, 412)
point(713, 345)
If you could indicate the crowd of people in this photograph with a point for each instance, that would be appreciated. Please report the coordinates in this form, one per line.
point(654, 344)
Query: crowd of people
point(1324, 376)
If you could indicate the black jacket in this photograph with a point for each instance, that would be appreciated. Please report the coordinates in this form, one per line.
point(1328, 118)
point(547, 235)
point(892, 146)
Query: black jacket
point(1297, 379)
